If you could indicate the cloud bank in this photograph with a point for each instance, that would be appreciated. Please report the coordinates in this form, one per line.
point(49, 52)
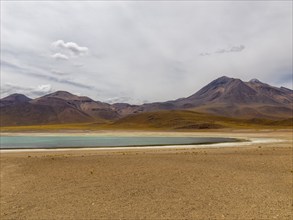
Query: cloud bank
point(146, 50)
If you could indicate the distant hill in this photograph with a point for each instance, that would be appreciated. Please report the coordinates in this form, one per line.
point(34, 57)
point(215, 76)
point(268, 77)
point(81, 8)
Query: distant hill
point(191, 120)
point(58, 107)
point(85, 105)
point(231, 98)
point(14, 99)
point(225, 97)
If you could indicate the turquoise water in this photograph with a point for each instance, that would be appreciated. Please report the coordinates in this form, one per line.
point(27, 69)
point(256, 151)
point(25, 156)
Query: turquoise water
point(31, 142)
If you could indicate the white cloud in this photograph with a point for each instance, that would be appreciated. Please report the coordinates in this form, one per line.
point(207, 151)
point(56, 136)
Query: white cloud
point(71, 47)
point(60, 56)
point(44, 88)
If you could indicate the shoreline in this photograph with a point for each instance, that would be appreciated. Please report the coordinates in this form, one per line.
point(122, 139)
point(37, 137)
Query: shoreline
point(150, 133)
point(241, 144)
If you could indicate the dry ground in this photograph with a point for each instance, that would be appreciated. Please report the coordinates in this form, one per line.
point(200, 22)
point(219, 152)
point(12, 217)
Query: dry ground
point(251, 182)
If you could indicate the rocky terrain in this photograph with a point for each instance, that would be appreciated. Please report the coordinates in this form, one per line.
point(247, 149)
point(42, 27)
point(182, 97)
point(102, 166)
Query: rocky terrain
point(224, 96)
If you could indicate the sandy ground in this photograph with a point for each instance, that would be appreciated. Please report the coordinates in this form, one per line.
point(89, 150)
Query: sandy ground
point(252, 181)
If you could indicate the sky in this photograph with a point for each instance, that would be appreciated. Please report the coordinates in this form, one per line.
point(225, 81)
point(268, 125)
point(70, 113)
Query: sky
point(146, 51)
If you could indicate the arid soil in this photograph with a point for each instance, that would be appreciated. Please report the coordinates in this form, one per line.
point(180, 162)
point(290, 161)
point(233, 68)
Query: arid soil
point(247, 182)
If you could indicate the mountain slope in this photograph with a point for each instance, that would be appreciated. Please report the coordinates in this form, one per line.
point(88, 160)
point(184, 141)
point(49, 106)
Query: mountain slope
point(231, 98)
point(224, 96)
point(91, 108)
point(55, 108)
point(32, 114)
point(190, 120)
point(14, 99)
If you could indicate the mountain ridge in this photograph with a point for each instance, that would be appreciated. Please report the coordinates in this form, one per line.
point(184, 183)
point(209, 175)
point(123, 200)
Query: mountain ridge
point(224, 96)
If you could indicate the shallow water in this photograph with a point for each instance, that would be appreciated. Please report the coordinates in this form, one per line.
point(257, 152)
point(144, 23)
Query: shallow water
point(34, 142)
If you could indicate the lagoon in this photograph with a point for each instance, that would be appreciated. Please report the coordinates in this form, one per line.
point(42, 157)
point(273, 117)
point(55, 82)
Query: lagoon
point(51, 142)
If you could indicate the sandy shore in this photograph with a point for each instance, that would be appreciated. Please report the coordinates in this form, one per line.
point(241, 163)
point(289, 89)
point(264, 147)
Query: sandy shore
point(252, 181)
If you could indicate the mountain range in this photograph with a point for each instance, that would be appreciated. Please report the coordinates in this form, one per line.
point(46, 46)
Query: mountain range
point(226, 97)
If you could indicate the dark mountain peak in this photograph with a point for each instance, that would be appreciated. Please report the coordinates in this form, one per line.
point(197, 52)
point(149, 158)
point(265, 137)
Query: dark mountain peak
point(221, 84)
point(61, 95)
point(67, 96)
point(230, 91)
point(16, 97)
point(254, 81)
point(223, 79)
point(64, 95)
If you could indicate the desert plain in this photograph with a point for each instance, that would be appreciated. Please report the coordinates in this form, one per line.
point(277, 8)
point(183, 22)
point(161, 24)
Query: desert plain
point(251, 180)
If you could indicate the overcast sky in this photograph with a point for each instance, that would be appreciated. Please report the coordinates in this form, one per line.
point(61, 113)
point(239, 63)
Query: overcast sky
point(142, 51)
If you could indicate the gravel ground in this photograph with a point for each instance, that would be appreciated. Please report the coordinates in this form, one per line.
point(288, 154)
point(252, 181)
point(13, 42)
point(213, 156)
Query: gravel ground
point(251, 182)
